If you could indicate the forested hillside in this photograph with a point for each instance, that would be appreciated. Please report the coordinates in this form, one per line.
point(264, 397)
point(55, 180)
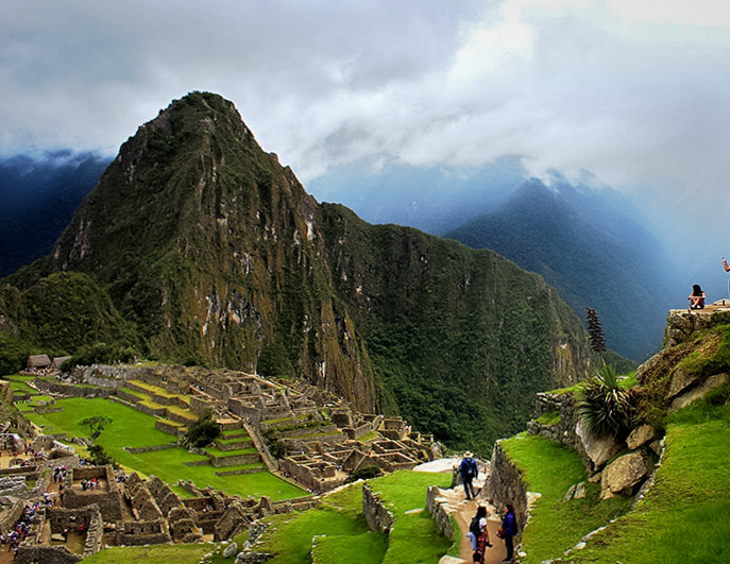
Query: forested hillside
point(198, 247)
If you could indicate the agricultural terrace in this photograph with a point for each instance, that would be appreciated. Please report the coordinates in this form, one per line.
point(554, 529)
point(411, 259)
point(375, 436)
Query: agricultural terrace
point(132, 429)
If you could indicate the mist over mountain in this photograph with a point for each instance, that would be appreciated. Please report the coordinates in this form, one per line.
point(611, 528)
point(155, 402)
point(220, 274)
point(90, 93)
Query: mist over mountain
point(435, 200)
point(38, 196)
point(585, 243)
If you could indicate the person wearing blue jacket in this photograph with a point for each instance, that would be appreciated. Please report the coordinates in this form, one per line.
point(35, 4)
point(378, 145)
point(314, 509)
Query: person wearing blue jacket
point(509, 531)
point(469, 471)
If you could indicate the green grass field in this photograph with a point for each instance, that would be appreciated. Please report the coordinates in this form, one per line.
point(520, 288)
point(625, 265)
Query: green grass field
point(342, 535)
point(131, 428)
point(550, 469)
point(685, 516)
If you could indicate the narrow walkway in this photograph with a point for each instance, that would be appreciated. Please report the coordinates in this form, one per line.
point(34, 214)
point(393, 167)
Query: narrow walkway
point(464, 513)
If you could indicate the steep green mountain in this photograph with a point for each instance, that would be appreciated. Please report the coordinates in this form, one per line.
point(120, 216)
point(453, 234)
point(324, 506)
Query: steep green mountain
point(593, 254)
point(211, 252)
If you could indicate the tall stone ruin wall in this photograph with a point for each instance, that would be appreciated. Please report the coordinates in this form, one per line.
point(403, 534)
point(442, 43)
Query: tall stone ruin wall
point(436, 505)
point(504, 485)
point(376, 514)
point(563, 432)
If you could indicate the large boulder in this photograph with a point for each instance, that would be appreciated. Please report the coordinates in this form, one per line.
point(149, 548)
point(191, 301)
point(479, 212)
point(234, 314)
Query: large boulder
point(680, 382)
point(623, 474)
point(640, 436)
point(598, 449)
point(698, 392)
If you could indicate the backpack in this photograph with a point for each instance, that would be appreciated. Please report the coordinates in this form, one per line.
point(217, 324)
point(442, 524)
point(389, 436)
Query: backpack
point(471, 467)
point(474, 527)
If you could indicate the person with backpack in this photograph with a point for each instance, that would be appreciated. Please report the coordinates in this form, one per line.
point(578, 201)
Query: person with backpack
point(508, 531)
point(469, 472)
point(479, 534)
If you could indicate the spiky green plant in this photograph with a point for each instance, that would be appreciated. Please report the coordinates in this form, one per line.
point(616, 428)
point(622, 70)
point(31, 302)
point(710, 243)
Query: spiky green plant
point(603, 406)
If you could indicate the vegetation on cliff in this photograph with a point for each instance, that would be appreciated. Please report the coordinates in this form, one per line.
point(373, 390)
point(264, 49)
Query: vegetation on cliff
point(197, 247)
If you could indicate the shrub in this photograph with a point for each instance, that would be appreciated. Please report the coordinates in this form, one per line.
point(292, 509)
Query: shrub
point(99, 457)
point(278, 448)
point(603, 405)
point(203, 432)
point(365, 473)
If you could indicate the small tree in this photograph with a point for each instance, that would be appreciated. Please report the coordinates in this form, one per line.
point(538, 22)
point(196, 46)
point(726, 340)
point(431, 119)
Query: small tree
point(203, 432)
point(99, 457)
point(95, 425)
point(595, 331)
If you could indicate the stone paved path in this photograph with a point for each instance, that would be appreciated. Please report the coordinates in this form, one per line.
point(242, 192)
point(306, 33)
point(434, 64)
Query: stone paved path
point(464, 511)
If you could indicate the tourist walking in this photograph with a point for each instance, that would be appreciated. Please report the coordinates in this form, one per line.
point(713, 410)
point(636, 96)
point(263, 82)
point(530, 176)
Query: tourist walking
point(469, 471)
point(508, 530)
point(479, 535)
point(727, 269)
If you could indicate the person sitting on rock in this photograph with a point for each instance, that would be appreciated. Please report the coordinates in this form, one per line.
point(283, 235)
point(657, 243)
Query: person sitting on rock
point(696, 298)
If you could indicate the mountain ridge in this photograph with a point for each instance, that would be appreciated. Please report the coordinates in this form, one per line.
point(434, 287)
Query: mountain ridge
point(213, 253)
point(594, 256)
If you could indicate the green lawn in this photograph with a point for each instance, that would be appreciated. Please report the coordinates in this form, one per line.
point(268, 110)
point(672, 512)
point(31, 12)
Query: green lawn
point(161, 554)
point(550, 469)
point(342, 535)
point(131, 428)
point(685, 516)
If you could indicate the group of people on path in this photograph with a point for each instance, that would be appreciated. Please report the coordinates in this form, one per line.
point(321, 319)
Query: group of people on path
point(478, 531)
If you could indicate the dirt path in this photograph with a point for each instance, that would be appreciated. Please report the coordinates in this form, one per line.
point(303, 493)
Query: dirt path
point(467, 510)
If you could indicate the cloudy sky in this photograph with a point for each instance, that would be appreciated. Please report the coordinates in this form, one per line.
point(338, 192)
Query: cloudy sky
point(635, 91)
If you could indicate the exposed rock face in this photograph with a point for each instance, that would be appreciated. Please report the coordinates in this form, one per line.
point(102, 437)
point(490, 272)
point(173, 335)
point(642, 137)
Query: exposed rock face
point(680, 382)
point(598, 449)
point(640, 436)
point(623, 474)
point(699, 392)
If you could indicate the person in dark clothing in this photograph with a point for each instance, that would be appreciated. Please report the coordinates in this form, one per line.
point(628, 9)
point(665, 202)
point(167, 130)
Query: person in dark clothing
point(469, 472)
point(696, 298)
point(479, 535)
point(509, 530)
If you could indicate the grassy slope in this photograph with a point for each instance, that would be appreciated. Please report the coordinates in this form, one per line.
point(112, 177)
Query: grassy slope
point(550, 469)
point(685, 517)
point(344, 535)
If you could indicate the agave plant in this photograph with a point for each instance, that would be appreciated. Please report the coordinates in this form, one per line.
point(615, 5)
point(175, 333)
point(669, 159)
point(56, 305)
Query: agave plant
point(603, 406)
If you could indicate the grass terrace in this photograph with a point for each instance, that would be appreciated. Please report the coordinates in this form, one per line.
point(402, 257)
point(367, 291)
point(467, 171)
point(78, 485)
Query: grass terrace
point(341, 534)
point(131, 428)
point(550, 469)
point(685, 516)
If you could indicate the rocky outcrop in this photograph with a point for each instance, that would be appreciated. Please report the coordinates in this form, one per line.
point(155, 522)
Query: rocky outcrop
point(698, 392)
point(640, 436)
point(624, 474)
point(598, 449)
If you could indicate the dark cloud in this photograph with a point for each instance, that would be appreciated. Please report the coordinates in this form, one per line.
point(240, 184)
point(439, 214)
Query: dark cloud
point(635, 94)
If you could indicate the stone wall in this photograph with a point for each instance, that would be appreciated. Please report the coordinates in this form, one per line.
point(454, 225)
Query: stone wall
point(505, 485)
point(376, 514)
point(138, 533)
point(9, 518)
point(436, 505)
point(71, 390)
point(110, 501)
point(565, 431)
point(682, 325)
point(46, 555)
